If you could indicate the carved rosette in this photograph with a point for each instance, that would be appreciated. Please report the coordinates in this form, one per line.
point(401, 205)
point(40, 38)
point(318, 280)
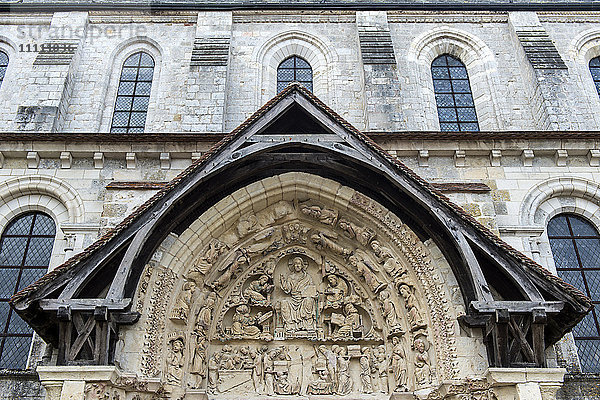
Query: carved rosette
point(299, 298)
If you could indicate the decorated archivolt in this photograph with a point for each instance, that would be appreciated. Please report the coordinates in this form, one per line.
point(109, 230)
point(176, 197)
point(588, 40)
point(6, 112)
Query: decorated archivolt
point(307, 295)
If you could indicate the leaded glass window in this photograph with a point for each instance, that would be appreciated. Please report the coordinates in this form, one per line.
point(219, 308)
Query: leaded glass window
point(294, 69)
point(3, 65)
point(575, 247)
point(595, 71)
point(25, 249)
point(133, 94)
point(456, 109)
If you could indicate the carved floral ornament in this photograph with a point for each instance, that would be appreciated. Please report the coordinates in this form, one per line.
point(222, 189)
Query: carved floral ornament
point(320, 290)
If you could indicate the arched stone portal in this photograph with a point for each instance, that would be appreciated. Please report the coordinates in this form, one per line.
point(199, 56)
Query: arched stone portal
point(297, 285)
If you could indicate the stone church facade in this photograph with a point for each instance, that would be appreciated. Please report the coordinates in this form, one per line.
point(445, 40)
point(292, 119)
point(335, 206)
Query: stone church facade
point(366, 200)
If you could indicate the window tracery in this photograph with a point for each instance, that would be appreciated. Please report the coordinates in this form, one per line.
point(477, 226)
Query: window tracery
point(575, 245)
point(294, 69)
point(25, 249)
point(133, 94)
point(454, 99)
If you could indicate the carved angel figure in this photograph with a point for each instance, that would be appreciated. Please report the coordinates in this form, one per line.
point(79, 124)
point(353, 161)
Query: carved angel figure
point(386, 259)
point(398, 366)
point(229, 270)
point(365, 371)
point(298, 311)
point(414, 315)
point(390, 313)
point(324, 242)
point(205, 263)
point(335, 292)
point(257, 292)
point(363, 235)
point(175, 361)
point(364, 270)
point(181, 308)
point(422, 367)
point(244, 324)
point(325, 216)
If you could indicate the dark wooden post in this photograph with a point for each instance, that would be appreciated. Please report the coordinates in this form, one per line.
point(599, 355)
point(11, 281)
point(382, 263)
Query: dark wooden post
point(102, 333)
point(539, 320)
point(65, 327)
point(501, 338)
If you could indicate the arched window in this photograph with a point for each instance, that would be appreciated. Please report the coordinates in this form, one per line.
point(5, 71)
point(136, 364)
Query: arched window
point(3, 65)
point(575, 247)
point(294, 69)
point(595, 71)
point(25, 249)
point(453, 96)
point(133, 94)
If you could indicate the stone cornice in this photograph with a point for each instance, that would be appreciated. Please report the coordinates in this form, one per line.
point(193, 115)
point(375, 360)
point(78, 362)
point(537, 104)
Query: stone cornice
point(535, 5)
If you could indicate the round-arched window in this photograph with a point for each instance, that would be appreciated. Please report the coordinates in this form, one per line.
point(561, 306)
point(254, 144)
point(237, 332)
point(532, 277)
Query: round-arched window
point(294, 69)
point(25, 250)
point(575, 247)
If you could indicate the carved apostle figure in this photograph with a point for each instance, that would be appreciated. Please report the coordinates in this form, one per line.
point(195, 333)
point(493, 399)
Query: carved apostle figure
point(365, 371)
point(198, 367)
point(335, 292)
point(298, 311)
point(204, 318)
point(364, 270)
point(175, 361)
point(398, 366)
point(181, 308)
point(244, 324)
point(414, 315)
point(381, 364)
point(343, 364)
point(422, 367)
point(386, 259)
point(351, 322)
point(258, 291)
point(390, 313)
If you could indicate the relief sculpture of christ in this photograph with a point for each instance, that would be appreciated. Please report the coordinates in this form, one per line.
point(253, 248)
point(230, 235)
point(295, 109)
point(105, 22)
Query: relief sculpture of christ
point(298, 311)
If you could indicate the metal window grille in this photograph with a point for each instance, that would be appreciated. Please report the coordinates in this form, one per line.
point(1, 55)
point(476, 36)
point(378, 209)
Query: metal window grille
point(575, 247)
point(133, 94)
point(25, 249)
point(595, 71)
point(3, 65)
point(294, 69)
point(456, 109)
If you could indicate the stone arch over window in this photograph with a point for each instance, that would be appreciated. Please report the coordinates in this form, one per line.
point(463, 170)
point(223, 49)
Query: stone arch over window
point(113, 77)
point(7, 58)
point(478, 60)
point(25, 252)
point(584, 48)
point(274, 51)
